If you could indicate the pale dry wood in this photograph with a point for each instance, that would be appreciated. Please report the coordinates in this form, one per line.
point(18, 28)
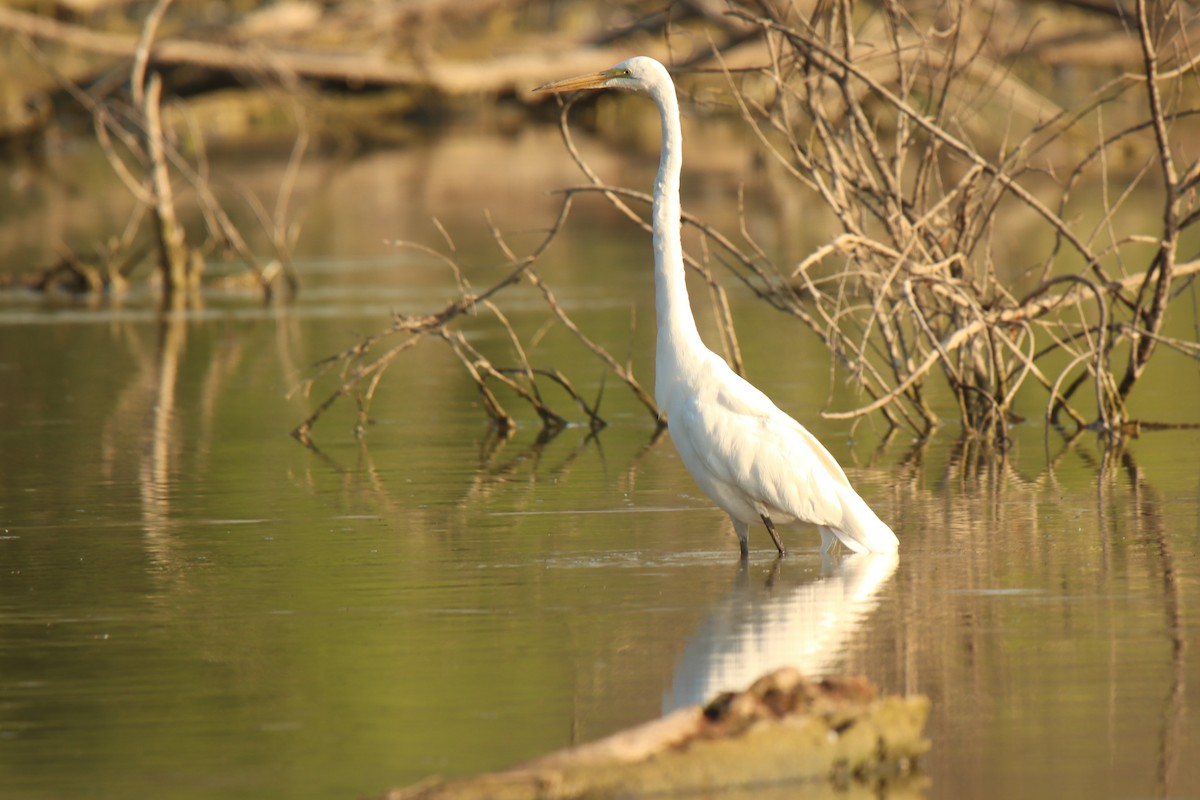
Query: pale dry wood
point(173, 251)
point(357, 368)
point(783, 730)
point(1008, 316)
point(513, 72)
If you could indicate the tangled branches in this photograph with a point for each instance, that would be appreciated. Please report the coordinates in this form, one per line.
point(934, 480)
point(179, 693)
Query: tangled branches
point(862, 117)
point(134, 130)
point(888, 120)
point(360, 369)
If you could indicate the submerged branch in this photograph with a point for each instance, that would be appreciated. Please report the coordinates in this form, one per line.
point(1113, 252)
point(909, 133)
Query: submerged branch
point(355, 368)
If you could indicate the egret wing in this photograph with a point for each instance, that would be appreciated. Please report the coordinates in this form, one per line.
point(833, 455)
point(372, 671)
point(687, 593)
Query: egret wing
point(735, 436)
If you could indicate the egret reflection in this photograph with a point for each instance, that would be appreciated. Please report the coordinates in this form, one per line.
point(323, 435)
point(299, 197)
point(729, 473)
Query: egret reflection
point(757, 628)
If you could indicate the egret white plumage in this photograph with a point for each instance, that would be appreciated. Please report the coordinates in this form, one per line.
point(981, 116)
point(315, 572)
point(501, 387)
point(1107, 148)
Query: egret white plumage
point(753, 460)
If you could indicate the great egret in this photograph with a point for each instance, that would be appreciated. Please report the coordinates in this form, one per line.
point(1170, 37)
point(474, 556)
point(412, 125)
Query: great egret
point(752, 459)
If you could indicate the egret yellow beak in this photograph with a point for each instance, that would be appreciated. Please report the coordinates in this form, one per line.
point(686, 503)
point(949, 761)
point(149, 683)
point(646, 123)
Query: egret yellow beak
point(593, 80)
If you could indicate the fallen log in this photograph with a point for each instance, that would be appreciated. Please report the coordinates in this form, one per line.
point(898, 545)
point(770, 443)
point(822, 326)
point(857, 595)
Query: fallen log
point(783, 730)
point(511, 73)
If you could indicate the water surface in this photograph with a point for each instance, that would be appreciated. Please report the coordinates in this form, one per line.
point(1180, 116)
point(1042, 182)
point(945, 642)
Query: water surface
point(194, 605)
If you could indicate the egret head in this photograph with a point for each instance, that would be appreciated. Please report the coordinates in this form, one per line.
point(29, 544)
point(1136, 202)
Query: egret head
point(640, 73)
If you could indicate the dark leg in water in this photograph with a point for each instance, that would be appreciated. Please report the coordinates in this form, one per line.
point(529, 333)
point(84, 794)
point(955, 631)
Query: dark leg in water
point(774, 536)
point(743, 533)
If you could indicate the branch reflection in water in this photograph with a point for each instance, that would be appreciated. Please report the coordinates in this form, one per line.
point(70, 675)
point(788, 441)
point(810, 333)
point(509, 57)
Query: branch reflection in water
point(1068, 540)
point(758, 628)
point(146, 411)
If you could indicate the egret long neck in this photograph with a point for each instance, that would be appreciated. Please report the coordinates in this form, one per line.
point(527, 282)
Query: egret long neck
point(677, 335)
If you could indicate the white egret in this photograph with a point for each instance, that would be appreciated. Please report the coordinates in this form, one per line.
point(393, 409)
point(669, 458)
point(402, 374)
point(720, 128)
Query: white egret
point(752, 459)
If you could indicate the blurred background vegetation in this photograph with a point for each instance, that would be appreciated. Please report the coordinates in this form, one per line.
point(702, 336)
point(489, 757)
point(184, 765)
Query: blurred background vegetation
point(1006, 190)
point(382, 71)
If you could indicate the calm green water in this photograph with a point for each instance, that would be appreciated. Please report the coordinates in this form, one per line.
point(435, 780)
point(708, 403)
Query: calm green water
point(194, 605)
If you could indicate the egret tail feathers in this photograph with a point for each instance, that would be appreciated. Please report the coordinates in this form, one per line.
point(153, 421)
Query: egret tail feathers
point(861, 530)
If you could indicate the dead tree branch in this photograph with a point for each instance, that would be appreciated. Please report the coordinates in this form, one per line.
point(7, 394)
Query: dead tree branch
point(357, 368)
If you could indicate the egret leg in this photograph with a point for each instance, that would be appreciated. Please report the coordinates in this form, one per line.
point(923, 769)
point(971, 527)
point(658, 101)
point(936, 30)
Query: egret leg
point(828, 540)
point(774, 536)
point(743, 532)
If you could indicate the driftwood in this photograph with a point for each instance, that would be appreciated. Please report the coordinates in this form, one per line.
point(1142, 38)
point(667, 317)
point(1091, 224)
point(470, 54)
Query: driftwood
point(502, 74)
point(784, 729)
